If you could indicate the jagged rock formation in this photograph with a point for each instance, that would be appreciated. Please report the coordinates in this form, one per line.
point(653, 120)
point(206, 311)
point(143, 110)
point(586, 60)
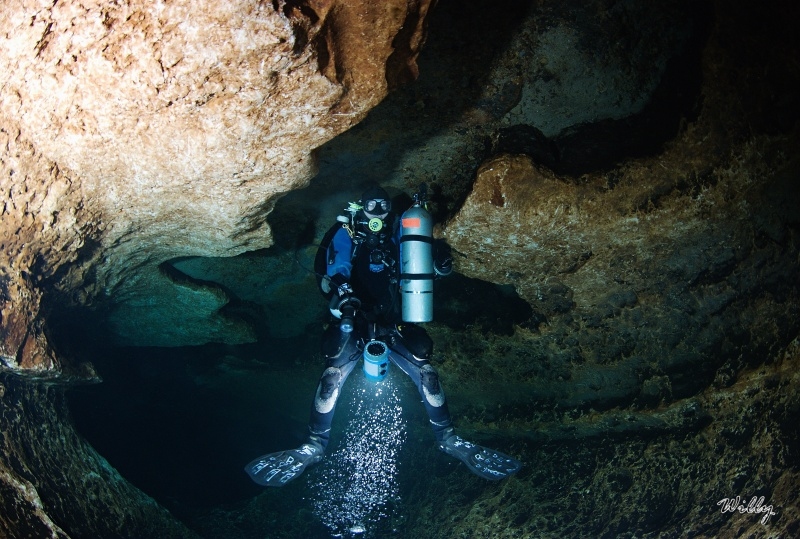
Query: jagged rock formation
point(141, 132)
point(133, 133)
point(657, 372)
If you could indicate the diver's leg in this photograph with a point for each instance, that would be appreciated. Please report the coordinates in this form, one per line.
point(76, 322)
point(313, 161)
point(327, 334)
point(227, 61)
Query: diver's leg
point(426, 378)
point(482, 461)
point(341, 353)
point(277, 469)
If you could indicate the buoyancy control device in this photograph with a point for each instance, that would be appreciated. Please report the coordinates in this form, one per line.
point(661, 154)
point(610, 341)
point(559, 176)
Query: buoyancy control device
point(416, 262)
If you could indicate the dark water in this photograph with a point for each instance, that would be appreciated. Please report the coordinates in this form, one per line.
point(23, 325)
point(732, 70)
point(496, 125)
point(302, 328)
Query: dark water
point(180, 424)
point(172, 421)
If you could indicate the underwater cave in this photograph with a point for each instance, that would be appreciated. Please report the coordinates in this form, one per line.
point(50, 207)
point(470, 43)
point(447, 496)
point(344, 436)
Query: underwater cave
point(617, 182)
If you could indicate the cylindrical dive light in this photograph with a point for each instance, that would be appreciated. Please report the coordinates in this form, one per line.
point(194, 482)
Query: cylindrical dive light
point(416, 264)
point(376, 360)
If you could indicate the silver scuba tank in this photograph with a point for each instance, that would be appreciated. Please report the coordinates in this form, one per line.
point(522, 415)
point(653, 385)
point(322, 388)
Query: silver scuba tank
point(416, 264)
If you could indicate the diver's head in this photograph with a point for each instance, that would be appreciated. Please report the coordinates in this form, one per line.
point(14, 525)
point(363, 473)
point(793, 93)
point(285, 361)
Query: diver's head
point(375, 203)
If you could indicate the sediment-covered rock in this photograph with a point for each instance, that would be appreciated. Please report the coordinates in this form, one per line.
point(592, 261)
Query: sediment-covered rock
point(54, 484)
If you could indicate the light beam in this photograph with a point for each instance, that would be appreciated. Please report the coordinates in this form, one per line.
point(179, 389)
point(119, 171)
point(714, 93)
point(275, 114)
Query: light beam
point(356, 487)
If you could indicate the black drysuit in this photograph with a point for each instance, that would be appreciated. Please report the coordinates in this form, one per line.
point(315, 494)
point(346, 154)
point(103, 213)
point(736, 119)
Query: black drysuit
point(370, 266)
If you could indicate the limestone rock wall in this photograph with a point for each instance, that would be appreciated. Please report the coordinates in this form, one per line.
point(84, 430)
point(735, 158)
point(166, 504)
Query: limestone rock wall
point(663, 275)
point(45, 227)
point(646, 291)
point(54, 484)
point(658, 370)
point(137, 132)
point(132, 133)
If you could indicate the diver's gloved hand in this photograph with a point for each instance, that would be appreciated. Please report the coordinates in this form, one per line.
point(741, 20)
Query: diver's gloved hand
point(341, 287)
point(347, 318)
point(443, 267)
point(442, 259)
point(482, 461)
point(343, 303)
point(277, 469)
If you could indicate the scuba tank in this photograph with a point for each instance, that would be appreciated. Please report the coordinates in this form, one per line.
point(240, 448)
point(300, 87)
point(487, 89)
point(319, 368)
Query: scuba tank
point(376, 360)
point(416, 262)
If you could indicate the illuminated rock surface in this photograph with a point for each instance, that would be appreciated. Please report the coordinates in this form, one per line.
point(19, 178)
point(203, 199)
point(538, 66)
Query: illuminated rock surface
point(141, 132)
point(618, 183)
point(137, 132)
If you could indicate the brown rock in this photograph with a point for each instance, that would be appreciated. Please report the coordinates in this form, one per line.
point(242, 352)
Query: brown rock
point(139, 132)
point(134, 133)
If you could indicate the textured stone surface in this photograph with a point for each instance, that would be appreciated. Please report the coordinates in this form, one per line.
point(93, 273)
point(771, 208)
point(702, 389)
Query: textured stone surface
point(140, 132)
point(133, 133)
point(34, 247)
point(657, 378)
point(54, 484)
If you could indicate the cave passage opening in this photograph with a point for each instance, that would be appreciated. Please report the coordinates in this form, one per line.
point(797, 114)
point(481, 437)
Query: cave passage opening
point(180, 422)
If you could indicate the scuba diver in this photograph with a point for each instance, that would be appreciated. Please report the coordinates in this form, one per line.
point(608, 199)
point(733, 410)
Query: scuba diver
point(377, 273)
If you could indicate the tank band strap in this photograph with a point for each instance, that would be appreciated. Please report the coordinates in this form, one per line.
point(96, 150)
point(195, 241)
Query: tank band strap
point(417, 276)
point(416, 237)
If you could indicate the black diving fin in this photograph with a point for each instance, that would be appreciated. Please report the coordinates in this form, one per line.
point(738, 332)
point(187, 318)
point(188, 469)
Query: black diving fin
point(482, 461)
point(277, 469)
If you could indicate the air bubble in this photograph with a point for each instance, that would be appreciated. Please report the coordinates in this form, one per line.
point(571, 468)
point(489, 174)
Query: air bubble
point(357, 486)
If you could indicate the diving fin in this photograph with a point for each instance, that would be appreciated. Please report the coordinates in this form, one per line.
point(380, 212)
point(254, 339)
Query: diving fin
point(482, 461)
point(277, 469)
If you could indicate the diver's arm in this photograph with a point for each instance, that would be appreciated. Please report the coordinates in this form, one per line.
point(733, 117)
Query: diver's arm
point(339, 255)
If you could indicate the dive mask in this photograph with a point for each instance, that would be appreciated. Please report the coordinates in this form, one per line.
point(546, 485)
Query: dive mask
point(377, 207)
